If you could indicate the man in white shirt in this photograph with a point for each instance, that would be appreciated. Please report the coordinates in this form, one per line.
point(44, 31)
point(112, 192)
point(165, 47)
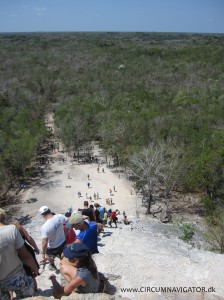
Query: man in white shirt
point(53, 236)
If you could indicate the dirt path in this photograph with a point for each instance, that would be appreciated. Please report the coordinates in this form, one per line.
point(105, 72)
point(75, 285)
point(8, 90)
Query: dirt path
point(63, 179)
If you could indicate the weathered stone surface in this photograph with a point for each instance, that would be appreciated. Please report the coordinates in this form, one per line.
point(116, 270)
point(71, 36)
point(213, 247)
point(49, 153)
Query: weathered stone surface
point(75, 296)
point(146, 296)
point(181, 296)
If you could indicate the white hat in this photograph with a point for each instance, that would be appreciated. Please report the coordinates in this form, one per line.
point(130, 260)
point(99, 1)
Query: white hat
point(43, 210)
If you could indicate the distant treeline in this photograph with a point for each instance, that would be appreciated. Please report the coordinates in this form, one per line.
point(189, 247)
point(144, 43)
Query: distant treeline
point(126, 90)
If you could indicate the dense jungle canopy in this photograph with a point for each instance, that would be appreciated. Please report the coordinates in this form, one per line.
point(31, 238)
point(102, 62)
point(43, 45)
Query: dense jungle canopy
point(137, 94)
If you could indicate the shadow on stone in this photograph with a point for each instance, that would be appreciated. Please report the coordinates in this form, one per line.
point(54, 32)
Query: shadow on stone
point(31, 200)
point(105, 234)
point(23, 220)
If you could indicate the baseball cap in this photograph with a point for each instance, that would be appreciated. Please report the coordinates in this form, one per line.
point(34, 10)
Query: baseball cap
point(43, 210)
point(76, 250)
point(74, 219)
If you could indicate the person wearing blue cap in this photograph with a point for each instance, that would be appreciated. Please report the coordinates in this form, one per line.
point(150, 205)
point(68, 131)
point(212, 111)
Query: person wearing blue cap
point(79, 270)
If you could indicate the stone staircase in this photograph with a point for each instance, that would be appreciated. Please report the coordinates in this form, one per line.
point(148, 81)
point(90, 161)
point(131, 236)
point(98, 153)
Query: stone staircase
point(144, 255)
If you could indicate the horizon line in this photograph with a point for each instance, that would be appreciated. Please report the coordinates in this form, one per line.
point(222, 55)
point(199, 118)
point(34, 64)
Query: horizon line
point(106, 31)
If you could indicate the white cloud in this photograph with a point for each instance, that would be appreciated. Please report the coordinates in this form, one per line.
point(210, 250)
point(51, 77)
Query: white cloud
point(40, 10)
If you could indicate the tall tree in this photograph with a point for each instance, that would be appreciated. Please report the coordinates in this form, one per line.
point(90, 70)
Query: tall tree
point(154, 166)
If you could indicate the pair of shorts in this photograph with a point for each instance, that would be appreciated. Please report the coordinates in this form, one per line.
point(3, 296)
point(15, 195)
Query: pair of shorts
point(20, 283)
point(56, 252)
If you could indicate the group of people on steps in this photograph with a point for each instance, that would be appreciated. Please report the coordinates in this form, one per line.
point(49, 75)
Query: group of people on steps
point(72, 237)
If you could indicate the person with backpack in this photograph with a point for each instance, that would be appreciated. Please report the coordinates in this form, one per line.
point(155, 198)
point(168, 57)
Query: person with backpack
point(13, 254)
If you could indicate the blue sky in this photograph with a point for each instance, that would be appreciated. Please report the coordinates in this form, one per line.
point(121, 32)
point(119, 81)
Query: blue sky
point(206, 16)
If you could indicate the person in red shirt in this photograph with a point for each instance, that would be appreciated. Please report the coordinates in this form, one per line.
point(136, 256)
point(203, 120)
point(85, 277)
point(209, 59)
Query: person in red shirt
point(70, 234)
point(113, 218)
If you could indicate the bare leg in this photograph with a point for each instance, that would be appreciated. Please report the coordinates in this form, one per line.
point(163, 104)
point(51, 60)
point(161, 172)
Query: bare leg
point(11, 295)
point(51, 261)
